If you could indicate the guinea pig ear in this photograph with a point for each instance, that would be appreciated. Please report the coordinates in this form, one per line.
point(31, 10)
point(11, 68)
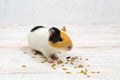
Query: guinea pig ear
point(51, 31)
point(63, 29)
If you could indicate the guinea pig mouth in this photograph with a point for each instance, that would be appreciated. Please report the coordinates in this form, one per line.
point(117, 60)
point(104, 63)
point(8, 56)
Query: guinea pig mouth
point(69, 48)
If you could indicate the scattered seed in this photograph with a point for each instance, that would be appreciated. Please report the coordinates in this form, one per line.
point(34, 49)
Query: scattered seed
point(71, 63)
point(23, 65)
point(68, 57)
point(62, 65)
point(59, 62)
point(88, 76)
point(76, 57)
point(80, 58)
point(85, 73)
point(98, 72)
point(59, 52)
point(64, 68)
point(25, 52)
point(53, 65)
point(73, 59)
point(54, 68)
point(42, 62)
point(93, 72)
point(86, 70)
point(80, 66)
point(66, 62)
point(70, 60)
point(45, 60)
point(86, 59)
point(33, 56)
point(88, 65)
point(68, 72)
point(81, 71)
point(41, 56)
point(75, 67)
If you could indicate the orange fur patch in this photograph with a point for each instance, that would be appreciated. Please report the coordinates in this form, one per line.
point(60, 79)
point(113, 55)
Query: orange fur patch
point(62, 44)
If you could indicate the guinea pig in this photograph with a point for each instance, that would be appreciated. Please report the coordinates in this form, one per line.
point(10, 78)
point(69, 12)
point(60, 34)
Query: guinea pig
point(49, 41)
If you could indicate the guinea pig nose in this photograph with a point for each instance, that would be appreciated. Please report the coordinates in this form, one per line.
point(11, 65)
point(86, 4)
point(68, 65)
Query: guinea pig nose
point(69, 47)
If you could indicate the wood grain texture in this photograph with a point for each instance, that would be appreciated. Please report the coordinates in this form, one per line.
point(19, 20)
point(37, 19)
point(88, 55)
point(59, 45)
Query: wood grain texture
point(100, 44)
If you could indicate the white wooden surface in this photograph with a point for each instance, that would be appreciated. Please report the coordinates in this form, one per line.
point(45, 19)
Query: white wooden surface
point(100, 44)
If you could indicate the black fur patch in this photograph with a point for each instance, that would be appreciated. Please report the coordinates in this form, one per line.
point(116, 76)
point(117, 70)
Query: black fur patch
point(37, 27)
point(55, 37)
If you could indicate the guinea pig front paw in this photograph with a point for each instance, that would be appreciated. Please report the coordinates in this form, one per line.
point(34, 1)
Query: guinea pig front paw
point(50, 60)
point(54, 57)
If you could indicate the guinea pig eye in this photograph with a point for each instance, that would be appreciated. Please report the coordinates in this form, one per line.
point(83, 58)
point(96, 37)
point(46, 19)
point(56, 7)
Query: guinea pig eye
point(60, 39)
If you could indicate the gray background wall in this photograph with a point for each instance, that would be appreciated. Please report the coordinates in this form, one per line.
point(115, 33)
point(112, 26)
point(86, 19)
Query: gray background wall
point(74, 12)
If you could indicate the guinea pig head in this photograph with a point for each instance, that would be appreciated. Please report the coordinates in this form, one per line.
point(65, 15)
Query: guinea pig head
point(59, 39)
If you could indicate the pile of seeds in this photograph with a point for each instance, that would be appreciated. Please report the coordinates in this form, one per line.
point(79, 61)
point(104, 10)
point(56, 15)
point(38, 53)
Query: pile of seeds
point(79, 68)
